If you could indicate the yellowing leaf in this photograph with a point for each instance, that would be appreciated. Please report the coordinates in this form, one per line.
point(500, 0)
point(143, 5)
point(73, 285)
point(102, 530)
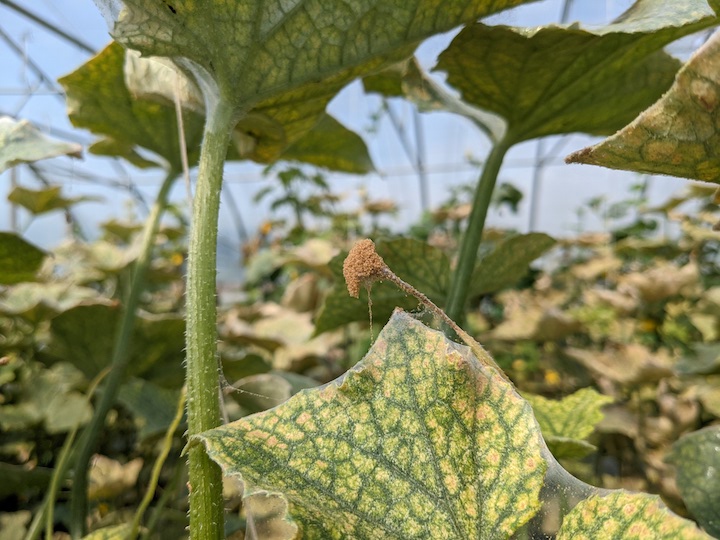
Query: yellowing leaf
point(662, 281)
point(678, 135)
point(419, 440)
point(627, 364)
point(569, 420)
point(626, 516)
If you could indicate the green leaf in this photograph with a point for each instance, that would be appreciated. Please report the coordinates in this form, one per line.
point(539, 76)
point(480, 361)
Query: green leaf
point(19, 260)
point(627, 516)
point(339, 309)
point(20, 480)
point(330, 144)
point(99, 100)
point(44, 200)
point(697, 459)
point(123, 149)
point(423, 266)
point(678, 135)
point(553, 80)
point(260, 392)
point(408, 79)
point(20, 142)
point(84, 336)
point(153, 407)
point(565, 423)
point(248, 364)
point(508, 262)
point(408, 444)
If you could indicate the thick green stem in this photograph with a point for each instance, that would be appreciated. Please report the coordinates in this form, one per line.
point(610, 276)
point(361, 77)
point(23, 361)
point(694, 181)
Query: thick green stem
point(460, 282)
point(203, 405)
point(121, 350)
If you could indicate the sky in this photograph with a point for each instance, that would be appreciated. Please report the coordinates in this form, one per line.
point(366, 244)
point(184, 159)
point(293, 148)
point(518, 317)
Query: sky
point(448, 140)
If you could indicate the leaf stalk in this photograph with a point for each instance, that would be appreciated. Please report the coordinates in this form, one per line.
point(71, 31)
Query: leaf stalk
point(470, 242)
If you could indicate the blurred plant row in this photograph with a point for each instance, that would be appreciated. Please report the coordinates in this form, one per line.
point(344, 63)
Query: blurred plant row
point(613, 338)
point(636, 318)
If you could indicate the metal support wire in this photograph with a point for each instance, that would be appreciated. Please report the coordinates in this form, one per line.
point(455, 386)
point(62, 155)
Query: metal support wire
point(415, 157)
point(30, 63)
point(48, 26)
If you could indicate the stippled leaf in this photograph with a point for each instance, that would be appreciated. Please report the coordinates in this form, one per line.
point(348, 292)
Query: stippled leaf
point(697, 459)
point(19, 260)
point(279, 64)
point(425, 267)
point(565, 423)
point(628, 516)
point(44, 200)
point(553, 80)
point(20, 142)
point(408, 444)
point(678, 135)
point(508, 262)
point(250, 54)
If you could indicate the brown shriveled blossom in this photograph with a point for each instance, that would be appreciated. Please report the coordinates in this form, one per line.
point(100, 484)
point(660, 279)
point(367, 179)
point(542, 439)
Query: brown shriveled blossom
point(362, 266)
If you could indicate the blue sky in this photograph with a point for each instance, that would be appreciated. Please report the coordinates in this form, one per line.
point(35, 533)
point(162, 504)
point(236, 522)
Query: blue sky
point(449, 140)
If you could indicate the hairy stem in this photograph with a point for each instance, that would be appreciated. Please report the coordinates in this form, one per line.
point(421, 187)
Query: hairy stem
point(119, 361)
point(203, 405)
point(470, 242)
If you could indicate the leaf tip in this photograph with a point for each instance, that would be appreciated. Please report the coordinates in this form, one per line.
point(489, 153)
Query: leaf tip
point(579, 157)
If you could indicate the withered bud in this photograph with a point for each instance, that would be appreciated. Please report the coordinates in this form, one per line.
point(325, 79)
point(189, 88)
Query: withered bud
point(362, 266)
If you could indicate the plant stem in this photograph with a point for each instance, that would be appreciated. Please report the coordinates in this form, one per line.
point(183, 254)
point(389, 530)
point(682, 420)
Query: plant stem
point(460, 281)
point(121, 355)
point(203, 405)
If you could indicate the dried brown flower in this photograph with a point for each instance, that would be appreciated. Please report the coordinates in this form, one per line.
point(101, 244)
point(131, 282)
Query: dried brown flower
point(362, 266)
